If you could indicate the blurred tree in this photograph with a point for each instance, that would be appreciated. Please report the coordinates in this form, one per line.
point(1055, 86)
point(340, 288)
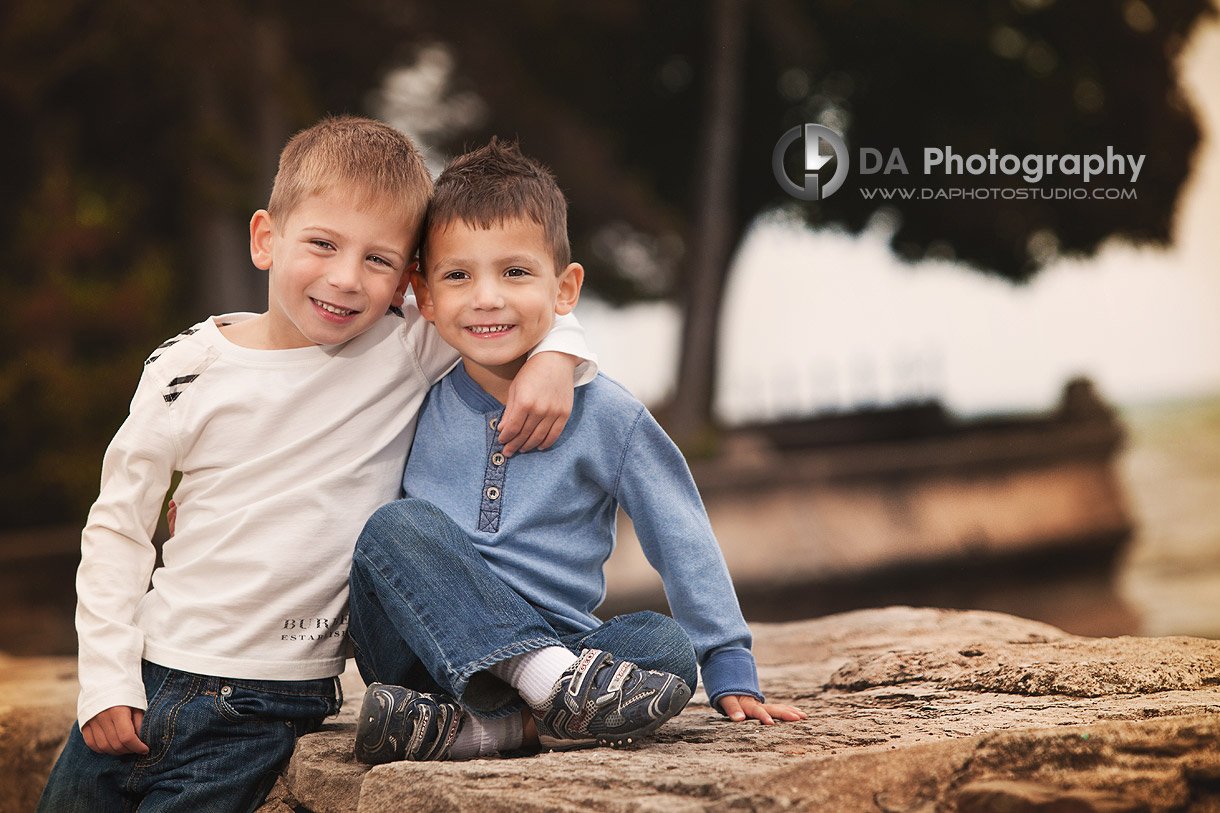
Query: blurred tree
point(138, 139)
point(628, 102)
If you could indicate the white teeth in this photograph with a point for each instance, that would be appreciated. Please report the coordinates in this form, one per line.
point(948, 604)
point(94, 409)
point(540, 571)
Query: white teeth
point(487, 328)
point(332, 309)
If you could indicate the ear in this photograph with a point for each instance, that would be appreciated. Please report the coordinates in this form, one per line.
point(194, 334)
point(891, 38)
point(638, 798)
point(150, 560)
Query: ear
point(261, 239)
point(423, 297)
point(570, 281)
point(400, 291)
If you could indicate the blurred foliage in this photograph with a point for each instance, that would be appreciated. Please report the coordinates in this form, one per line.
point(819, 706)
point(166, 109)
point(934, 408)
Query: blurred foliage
point(136, 133)
point(617, 97)
point(128, 126)
point(612, 96)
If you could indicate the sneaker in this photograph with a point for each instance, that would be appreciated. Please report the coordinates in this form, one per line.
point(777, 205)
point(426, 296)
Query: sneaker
point(397, 723)
point(600, 701)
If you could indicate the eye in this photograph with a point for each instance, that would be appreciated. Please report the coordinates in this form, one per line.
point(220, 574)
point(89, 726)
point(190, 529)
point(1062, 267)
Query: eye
point(455, 275)
point(322, 244)
point(373, 258)
point(516, 271)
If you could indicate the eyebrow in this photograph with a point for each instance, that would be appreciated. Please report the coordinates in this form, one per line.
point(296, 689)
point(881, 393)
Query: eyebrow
point(512, 259)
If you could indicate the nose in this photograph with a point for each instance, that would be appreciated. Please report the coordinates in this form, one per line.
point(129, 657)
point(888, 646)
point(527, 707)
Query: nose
point(344, 274)
point(487, 294)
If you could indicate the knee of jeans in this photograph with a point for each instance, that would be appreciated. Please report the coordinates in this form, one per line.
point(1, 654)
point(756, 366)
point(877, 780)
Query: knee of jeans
point(686, 665)
point(677, 652)
point(391, 521)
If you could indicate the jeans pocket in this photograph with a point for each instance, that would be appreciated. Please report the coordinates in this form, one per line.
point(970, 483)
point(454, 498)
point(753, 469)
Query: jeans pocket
point(291, 702)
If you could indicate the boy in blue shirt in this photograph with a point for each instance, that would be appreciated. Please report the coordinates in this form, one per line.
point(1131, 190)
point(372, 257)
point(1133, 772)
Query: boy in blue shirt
point(481, 584)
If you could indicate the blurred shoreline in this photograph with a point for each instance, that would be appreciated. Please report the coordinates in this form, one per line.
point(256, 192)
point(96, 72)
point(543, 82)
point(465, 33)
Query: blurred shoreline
point(1166, 582)
point(1170, 575)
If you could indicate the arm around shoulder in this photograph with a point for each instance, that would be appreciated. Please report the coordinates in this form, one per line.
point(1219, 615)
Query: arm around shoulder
point(541, 396)
point(567, 336)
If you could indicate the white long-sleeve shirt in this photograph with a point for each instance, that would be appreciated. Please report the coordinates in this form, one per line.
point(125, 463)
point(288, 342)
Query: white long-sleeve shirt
point(284, 454)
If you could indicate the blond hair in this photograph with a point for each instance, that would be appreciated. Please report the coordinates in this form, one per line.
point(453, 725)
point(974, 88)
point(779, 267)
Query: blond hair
point(371, 160)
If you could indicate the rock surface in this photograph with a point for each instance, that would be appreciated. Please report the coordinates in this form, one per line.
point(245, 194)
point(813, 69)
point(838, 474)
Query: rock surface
point(911, 711)
point(37, 707)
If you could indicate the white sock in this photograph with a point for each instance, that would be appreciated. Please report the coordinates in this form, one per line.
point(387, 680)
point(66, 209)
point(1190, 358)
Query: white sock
point(535, 674)
point(480, 737)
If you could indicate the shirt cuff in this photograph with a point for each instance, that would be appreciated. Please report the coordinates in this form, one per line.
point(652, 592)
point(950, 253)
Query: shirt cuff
point(90, 705)
point(586, 368)
point(730, 671)
point(567, 336)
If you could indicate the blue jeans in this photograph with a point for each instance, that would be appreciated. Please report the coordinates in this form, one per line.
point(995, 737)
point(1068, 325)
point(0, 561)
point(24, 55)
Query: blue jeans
point(216, 744)
point(429, 613)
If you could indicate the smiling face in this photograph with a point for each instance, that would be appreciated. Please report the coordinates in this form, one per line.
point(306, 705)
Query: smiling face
point(493, 295)
point(334, 268)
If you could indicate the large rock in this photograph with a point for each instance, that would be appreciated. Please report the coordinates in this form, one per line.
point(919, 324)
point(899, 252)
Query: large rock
point(910, 710)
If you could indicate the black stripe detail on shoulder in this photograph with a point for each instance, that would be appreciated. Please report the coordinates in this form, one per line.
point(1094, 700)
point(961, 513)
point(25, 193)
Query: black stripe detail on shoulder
point(190, 331)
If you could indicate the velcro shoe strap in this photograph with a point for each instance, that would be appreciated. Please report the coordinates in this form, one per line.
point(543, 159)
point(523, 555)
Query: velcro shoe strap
point(624, 669)
point(423, 720)
point(448, 722)
point(436, 727)
point(582, 683)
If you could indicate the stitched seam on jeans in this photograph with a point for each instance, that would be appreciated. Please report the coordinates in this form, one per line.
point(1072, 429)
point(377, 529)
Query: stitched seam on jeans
point(257, 688)
point(142, 764)
point(232, 715)
point(498, 655)
point(374, 568)
point(172, 722)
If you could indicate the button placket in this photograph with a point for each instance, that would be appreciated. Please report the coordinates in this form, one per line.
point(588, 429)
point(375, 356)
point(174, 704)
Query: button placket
point(494, 471)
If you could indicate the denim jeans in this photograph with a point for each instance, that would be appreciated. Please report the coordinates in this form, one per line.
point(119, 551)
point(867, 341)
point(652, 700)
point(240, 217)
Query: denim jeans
point(429, 613)
point(216, 744)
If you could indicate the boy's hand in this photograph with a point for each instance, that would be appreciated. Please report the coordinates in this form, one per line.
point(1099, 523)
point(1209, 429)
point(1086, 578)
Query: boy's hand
point(115, 731)
point(171, 516)
point(743, 707)
point(539, 403)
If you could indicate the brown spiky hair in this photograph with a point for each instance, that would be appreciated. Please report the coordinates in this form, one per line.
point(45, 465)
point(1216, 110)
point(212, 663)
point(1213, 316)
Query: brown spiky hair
point(376, 164)
point(486, 187)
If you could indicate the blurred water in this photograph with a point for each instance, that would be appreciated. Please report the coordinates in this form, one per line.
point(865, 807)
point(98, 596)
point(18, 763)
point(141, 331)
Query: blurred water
point(1171, 574)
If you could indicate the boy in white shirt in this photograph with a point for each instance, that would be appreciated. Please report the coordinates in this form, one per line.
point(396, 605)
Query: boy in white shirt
point(289, 428)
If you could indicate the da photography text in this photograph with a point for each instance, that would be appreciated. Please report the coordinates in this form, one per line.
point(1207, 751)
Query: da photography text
point(821, 145)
